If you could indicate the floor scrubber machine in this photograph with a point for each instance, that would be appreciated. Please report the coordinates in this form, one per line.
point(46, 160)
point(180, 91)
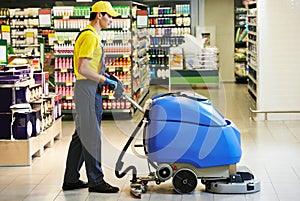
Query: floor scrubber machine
point(186, 139)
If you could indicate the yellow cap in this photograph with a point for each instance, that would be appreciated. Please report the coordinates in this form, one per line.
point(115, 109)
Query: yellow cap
point(104, 6)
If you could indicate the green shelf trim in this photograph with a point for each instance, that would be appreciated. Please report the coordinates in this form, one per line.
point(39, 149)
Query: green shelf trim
point(195, 80)
point(67, 111)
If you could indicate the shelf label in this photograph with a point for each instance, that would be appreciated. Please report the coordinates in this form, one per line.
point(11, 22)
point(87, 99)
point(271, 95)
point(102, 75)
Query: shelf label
point(126, 68)
point(69, 83)
point(63, 70)
point(51, 38)
point(111, 96)
point(69, 97)
point(66, 17)
point(126, 54)
point(29, 38)
point(111, 69)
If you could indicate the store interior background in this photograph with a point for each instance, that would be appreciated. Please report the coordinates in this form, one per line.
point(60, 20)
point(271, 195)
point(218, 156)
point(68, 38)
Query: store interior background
point(278, 26)
point(270, 148)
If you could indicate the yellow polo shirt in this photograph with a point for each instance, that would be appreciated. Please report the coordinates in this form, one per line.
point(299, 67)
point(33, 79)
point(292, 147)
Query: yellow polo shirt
point(88, 45)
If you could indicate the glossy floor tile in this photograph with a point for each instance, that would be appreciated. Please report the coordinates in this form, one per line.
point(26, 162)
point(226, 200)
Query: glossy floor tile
point(271, 150)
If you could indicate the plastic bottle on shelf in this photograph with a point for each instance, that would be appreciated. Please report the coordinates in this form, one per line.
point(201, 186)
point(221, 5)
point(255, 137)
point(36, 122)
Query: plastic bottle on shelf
point(128, 104)
point(73, 105)
point(63, 90)
point(58, 77)
point(67, 91)
point(56, 89)
point(109, 104)
point(69, 105)
point(63, 62)
point(104, 104)
point(118, 106)
point(113, 104)
point(56, 63)
point(65, 105)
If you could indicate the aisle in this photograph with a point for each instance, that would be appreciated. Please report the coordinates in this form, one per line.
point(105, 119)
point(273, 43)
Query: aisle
point(270, 149)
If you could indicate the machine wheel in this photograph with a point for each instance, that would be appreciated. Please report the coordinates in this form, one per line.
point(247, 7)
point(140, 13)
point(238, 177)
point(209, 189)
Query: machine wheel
point(185, 181)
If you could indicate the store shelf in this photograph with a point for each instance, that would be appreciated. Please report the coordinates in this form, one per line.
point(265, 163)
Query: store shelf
point(21, 152)
point(240, 55)
point(206, 77)
point(159, 53)
point(252, 56)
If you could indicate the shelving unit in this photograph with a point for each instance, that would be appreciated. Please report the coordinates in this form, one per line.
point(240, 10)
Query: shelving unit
point(119, 55)
point(125, 48)
point(30, 116)
point(117, 49)
point(140, 69)
point(21, 152)
point(140, 57)
point(24, 30)
point(25, 133)
point(67, 22)
point(240, 56)
point(252, 54)
point(201, 67)
point(159, 53)
point(167, 25)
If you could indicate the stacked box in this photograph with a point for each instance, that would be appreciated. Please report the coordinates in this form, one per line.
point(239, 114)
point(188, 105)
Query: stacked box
point(57, 107)
point(5, 126)
point(22, 125)
point(206, 59)
point(43, 79)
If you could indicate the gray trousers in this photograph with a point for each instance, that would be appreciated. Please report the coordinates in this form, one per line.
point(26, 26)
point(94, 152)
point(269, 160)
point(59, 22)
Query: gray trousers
point(85, 145)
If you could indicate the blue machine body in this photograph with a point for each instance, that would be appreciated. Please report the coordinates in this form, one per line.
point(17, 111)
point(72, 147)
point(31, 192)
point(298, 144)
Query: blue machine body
point(186, 128)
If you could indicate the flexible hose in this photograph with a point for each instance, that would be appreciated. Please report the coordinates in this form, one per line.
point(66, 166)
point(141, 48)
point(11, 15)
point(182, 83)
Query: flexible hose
point(119, 163)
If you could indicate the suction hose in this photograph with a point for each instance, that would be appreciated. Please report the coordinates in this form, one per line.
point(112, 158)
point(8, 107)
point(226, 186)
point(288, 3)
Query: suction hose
point(119, 164)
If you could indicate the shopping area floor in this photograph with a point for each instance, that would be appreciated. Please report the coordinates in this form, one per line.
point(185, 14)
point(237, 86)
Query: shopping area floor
point(271, 150)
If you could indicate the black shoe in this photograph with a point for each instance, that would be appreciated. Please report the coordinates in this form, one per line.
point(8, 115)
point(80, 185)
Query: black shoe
point(104, 188)
point(73, 186)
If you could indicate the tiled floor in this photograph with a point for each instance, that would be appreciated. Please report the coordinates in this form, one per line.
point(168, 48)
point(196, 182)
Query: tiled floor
point(270, 149)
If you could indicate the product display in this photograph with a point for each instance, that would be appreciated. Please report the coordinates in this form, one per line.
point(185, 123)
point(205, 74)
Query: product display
point(24, 30)
point(25, 92)
point(5, 126)
point(241, 37)
point(140, 64)
point(68, 21)
point(206, 59)
point(25, 113)
point(22, 125)
point(167, 25)
point(125, 45)
point(194, 63)
point(252, 53)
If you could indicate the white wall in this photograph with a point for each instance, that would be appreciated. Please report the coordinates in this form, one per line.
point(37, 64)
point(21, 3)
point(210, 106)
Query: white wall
point(279, 56)
point(220, 13)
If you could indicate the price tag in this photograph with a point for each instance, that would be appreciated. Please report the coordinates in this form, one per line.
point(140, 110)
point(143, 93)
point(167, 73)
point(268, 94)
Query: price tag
point(66, 17)
point(126, 54)
point(29, 38)
point(64, 70)
point(69, 83)
point(69, 97)
point(51, 37)
point(126, 68)
point(111, 69)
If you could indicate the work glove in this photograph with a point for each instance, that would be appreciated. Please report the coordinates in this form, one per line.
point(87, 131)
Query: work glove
point(112, 85)
point(119, 89)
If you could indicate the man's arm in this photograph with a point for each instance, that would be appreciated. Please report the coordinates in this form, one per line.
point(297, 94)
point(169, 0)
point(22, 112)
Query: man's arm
point(83, 69)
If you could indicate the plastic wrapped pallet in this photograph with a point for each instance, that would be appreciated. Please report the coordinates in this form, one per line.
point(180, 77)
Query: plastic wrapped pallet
point(196, 56)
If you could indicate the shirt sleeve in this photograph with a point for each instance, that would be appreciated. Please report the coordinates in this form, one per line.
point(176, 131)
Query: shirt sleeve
point(88, 45)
